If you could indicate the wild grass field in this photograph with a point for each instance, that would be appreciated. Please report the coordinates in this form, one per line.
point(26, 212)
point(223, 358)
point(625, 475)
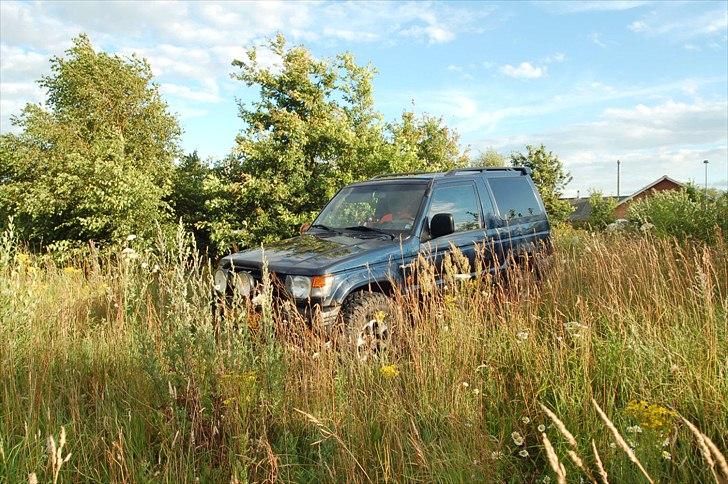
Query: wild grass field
point(113, 370)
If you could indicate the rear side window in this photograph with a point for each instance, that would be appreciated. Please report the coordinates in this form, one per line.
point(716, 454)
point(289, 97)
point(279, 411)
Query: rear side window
point(515, 197)
point(461, 201)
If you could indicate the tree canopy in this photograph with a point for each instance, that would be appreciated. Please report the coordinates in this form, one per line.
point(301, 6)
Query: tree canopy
point(95, 162)
point(549, 176)
point(312, 130)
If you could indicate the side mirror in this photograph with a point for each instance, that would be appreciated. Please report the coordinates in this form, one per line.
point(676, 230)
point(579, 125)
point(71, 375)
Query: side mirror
point(441, 224)
point(304, 228)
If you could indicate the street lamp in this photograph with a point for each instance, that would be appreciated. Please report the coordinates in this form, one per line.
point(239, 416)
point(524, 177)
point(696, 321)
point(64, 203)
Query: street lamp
point(705, 190)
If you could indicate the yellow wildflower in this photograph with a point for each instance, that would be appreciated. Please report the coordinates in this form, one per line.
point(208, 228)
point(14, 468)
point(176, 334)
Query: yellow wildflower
point(379, 316)
point(71, 270)
point(650, 415)
point(389, 371)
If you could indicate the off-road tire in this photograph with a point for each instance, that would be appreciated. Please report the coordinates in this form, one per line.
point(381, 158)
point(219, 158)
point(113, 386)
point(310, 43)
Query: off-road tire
point(367, 337)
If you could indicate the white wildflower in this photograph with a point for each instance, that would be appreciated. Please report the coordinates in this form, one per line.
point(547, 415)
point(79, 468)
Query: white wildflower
point(130, 237)
point(634, 429)
point(522, 335)
point(476, 392)
point(465, 384)
point(525, 420)
point(666, 455)
point(517, 438)
point(542, 428)
point(496, 455)
point(523, 453)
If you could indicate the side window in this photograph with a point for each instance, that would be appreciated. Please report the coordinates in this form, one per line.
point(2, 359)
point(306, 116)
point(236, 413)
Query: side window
point(461, 201)
point(515, 197)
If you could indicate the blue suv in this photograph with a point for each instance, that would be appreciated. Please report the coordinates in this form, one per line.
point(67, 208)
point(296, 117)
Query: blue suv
point(345, 265)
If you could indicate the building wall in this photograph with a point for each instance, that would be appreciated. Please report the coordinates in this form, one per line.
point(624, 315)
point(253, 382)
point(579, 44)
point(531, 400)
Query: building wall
point(665, 185)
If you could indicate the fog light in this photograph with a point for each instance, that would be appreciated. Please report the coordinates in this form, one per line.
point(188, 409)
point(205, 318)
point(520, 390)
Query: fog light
point(220, 281)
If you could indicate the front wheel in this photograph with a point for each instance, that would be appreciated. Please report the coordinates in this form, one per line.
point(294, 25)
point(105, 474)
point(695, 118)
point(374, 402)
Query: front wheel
point(368, 319)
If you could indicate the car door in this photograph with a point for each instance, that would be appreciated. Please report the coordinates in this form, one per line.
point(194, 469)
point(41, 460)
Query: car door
point(461, 199)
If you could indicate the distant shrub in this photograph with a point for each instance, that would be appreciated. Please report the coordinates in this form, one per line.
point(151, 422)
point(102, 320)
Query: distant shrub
point(602, 210)
point(684, 214)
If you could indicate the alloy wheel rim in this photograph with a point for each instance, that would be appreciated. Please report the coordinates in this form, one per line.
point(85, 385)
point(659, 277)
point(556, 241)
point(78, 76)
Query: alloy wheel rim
point(372, 340)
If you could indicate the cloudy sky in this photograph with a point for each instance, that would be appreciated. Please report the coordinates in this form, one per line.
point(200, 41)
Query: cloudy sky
point(643, 82)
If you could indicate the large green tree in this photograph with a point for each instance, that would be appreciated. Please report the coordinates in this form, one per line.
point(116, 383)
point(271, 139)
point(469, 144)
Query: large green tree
point(549, 176)
point(96, 161)
point(312, 129)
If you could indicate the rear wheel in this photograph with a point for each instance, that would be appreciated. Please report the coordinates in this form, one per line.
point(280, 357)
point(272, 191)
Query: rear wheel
point(368, 318)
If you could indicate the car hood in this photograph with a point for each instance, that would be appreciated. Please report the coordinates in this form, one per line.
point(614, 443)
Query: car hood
point(316, 254)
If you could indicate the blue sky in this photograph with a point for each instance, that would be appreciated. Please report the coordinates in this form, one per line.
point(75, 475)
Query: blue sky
point(643, 82)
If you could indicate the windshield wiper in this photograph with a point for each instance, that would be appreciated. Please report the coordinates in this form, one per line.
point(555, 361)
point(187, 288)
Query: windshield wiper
point(322, 226)
point(364, 228)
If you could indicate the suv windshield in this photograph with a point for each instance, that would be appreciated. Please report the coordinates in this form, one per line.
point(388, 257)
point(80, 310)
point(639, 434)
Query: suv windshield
point(388, 207)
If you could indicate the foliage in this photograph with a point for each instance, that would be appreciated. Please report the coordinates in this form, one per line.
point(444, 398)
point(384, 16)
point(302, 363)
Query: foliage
point(602, 210)
point(188, 197)
point(95, 162)
point(421, 144)
point(489, 158)
point(684, 214)
point(312, 130)
point(550, 178)
point(123, 352)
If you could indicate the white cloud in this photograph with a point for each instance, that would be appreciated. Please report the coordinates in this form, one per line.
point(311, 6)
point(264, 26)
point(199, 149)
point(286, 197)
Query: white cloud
point(596, 38)
point(591, 5)
point(681, 22)
point(638, 26)
point(525, 70)
point(651, 140)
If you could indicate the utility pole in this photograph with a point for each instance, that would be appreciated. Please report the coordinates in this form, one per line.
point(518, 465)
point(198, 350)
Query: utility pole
point(618, 163)
point(705, 190)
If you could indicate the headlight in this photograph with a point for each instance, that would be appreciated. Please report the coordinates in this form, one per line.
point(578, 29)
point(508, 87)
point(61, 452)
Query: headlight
point(243, 283)
point(302, 287)
point(298, 286)
point(220, 280)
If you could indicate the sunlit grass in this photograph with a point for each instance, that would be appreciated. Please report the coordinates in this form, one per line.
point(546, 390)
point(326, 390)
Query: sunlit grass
point(122, 352)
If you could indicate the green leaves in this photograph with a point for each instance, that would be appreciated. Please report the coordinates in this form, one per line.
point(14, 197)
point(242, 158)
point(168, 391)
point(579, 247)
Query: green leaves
point(550, 178)
point(96, 161)
point(312, 130)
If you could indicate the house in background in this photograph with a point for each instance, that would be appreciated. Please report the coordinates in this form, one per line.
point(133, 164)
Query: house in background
point(582, 208)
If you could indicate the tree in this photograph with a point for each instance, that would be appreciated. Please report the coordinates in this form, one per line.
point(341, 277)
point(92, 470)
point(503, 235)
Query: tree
point(188, 197)
point(312, 130)
point(602, 209)
point(423, 144)
point(549, 176)
point(96, 161)
point(489, 158)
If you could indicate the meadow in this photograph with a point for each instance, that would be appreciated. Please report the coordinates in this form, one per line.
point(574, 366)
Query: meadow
point(114, 370)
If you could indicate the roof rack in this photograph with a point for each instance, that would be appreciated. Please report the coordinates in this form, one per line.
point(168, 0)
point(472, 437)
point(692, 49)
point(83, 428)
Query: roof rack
point(523, 169)
point(395, 175)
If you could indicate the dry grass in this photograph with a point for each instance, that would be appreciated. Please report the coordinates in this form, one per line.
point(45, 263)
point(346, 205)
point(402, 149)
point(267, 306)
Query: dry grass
point(123, 354)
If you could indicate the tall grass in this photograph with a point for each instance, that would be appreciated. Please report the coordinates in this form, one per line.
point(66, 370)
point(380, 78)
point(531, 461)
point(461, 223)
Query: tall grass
point(122, 353)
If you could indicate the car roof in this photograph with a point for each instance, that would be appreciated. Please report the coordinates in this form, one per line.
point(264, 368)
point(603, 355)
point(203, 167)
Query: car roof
point(490, 172)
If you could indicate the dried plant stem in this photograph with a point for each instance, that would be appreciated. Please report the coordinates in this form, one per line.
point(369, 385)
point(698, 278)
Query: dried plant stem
point(600, 466)
point(710, 452)
point(557, 467)
point(620, 440)
point(560, 426)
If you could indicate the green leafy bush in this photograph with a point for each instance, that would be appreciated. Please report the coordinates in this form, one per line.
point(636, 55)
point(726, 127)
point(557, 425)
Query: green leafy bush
point(684, 214)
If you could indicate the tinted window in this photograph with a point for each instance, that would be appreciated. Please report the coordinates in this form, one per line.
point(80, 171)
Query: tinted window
point(515, 197)
point(459, 200)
